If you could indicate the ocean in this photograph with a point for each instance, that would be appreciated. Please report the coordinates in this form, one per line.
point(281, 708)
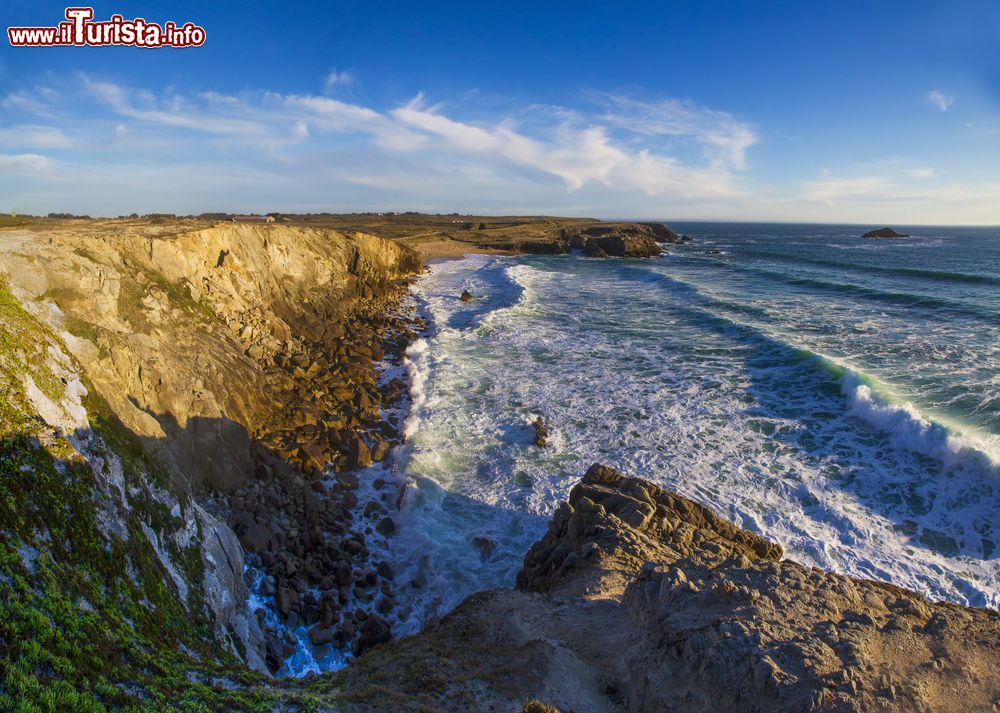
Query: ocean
point(840, 396)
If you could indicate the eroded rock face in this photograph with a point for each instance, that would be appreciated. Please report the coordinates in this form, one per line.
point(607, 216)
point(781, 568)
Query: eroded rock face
point(751, 635)
point(243, 357)
point(202, 340)
point(619, 240)
point(638, 599)
point(637, 240)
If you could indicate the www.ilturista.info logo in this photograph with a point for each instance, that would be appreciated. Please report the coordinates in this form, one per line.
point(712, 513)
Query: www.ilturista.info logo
point(80, 30)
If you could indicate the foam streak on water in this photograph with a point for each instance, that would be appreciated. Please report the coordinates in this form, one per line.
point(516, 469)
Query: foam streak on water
point(837, 395)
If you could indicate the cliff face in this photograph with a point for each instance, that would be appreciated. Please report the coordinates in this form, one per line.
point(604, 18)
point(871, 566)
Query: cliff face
point(141, 369)
point(179, 333)
point(640, 600)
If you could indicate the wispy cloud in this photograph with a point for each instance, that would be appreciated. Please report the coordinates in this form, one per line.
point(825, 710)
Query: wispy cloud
point(26, 163)
point(724, 138)
point(98, 146)
point(831, 190)
point(35, 136)
point(215, 116)
point(626, 145)
point(336, 79)
point(940, 100)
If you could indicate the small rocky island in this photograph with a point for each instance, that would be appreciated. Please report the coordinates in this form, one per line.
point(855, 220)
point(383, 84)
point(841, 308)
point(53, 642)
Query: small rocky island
point(885, 233)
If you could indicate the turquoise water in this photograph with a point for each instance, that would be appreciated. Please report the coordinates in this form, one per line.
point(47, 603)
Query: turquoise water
point(838, 395)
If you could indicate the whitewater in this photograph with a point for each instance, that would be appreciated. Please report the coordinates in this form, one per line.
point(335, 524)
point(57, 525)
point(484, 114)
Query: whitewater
point(837, 395)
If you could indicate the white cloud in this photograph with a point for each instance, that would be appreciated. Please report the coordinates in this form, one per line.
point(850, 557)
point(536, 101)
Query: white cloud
point(830, 190)
point(35, 136)
point(124, 149)
point(579, 150)
point(724, 138)
point(940, 100)
point(39, 101)
point(172, 112)
point(335, 79)
point(26, 163)
point(621, 149)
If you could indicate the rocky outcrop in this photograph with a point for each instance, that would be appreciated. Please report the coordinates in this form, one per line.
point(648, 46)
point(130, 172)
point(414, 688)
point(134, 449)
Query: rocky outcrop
point(887, 233)
point(637, 240)
point(638, 599)
point(619, 239)
point(240, 360)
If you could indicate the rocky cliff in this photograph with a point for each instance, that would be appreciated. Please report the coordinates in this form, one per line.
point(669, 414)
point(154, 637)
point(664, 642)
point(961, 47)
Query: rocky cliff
point(146, 370)
point(638, 599)
point(603, 239)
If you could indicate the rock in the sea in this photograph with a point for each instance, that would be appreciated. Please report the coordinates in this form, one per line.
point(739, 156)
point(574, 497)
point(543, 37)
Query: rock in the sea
point(485, 545)
point(386, 526)
point(886, 232)
point(621, 245)
point(541, 432)
point(466, 296)
point(358, 453)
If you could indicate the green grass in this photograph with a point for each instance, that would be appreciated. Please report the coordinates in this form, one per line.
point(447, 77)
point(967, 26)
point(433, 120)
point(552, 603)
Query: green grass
point(89, 620)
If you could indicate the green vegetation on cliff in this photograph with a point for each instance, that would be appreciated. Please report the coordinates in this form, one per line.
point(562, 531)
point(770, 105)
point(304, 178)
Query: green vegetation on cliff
point(89, 620)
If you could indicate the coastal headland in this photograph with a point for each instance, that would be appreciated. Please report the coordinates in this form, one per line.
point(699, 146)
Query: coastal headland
point(190, 410)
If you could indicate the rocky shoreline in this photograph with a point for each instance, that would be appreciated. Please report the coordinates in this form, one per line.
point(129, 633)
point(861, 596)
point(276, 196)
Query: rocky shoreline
point(204, 416)
point(638, 599)
point(303, 527)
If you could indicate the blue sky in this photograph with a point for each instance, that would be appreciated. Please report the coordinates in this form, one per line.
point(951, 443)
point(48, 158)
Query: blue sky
point(844, 112)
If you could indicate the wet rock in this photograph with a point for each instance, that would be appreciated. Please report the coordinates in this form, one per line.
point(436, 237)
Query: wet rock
point(348, 481)
point(380, 450)
point(344, 574)
point(319, 635)
point(284, 601)
point(386, 526)
point(485, 545)
point(358, 454)
point(384, 570)
point(385, 605)
point(541, 432)
point(375, 631)
point(466, 296)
